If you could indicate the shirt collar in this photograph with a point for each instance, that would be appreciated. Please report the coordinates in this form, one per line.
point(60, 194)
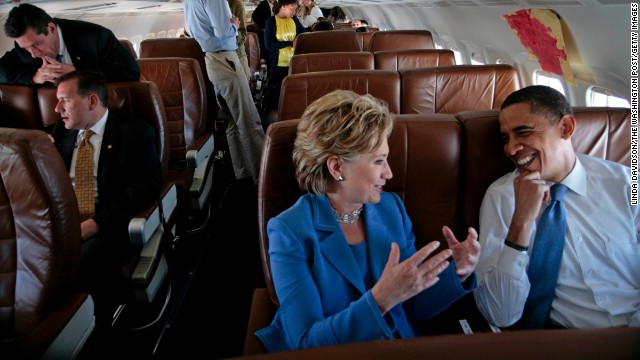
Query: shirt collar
point(577, 178)
point(98, 127)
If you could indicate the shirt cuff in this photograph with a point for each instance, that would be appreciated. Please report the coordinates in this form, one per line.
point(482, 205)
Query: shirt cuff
point(513, 262)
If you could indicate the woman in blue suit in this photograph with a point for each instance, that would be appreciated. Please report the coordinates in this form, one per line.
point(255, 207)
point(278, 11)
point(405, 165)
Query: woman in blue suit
point(343, 260)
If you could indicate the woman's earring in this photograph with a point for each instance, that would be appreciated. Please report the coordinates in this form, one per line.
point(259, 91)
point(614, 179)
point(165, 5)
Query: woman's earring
point(340, 178)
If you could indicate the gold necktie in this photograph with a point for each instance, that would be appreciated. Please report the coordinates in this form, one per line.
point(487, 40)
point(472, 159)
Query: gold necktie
point(84, 177)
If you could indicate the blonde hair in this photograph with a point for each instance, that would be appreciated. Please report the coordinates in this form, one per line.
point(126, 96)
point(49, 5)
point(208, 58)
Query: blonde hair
point(341, 123)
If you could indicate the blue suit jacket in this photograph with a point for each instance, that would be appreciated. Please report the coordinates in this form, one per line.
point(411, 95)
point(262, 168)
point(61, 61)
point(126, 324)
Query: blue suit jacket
point(90, 46)
point(323, 299)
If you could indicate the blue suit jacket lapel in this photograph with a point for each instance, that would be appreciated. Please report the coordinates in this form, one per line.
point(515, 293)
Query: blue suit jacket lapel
point(334, 247)
point(376, 234)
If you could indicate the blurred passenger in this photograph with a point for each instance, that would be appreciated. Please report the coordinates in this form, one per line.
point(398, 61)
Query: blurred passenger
point(322, 25)
point(47, 48)
point(279, 35)
point(308, 13)
point(237, 9)
point(123, 178)
point(343, 259)
point(588, 276)
point(337, 16)
point(262, 12)
point(212, 25)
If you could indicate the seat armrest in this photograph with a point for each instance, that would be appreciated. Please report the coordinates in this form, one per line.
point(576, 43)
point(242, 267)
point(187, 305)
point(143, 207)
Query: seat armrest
point(43, 336)
point(202, 162)
point(200, 151)
point(144, 225)
point(260, 315)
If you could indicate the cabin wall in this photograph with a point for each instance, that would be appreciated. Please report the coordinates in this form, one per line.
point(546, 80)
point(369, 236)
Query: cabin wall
point(599, 28)
point(593, 28)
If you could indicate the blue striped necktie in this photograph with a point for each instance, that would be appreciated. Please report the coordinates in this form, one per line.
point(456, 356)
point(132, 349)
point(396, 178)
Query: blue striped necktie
point(59, 58)
point(544, 265)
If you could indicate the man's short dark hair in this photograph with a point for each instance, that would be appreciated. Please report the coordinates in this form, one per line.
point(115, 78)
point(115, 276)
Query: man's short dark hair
point(88, 82)
point(544, 100)
point(322, 26)
point(25, 16)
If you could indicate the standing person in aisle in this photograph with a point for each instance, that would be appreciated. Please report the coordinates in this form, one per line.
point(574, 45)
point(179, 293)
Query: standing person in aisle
point(212, 25)
point(280, 33)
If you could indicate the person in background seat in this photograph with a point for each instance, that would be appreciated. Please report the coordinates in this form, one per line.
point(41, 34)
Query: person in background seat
point(344, 264)
point(308, 13)
point(280, 33)
point(598, 270)
point(47, 48)
point(322, 25)
point(126, 178)
point(337, 16)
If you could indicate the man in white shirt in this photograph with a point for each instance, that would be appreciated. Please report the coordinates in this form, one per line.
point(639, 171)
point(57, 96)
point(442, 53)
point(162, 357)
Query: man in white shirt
point(213, 26)
point(599, 278)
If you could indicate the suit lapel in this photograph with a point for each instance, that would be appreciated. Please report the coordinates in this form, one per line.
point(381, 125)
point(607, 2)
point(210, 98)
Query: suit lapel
point(376, 234)
point(335, 247)
point(106, 149)
point(70, 41)
point(65, 141)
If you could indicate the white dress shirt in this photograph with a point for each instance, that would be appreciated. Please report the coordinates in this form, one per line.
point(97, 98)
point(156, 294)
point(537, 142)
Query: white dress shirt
point(310, 19)
point(599, 281)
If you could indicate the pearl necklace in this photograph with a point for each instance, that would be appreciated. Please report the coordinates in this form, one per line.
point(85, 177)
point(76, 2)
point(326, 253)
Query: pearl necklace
point(348, 218)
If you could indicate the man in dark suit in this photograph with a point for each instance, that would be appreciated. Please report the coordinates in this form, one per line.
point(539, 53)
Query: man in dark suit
point(127, 176)
point(47, 48)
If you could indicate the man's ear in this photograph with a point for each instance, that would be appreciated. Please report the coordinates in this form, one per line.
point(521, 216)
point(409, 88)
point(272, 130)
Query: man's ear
point(51, 27)
point(94, 101)
point(567, 126)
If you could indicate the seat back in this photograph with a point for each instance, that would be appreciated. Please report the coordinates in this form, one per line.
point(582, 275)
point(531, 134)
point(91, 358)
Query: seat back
point(304, 63)
point(603, 132)
point(40, 248)
point(365, 39)
point(399, 60)
point(188, 48)
point(252, 47)
point(400, 40)
point(181, 86)
point(18, 107)
point(300, 90)
point(129, 46)
point(327, 41)
point(452, 89)
point(424, 157)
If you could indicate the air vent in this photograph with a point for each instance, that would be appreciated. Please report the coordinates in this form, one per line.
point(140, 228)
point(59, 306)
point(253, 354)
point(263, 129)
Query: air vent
point(499, 2)
point(555, 3)
point(92, 7)
point(613, 2)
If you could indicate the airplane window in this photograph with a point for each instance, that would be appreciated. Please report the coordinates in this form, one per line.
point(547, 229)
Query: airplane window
point(542, 78)
point(599, 96)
